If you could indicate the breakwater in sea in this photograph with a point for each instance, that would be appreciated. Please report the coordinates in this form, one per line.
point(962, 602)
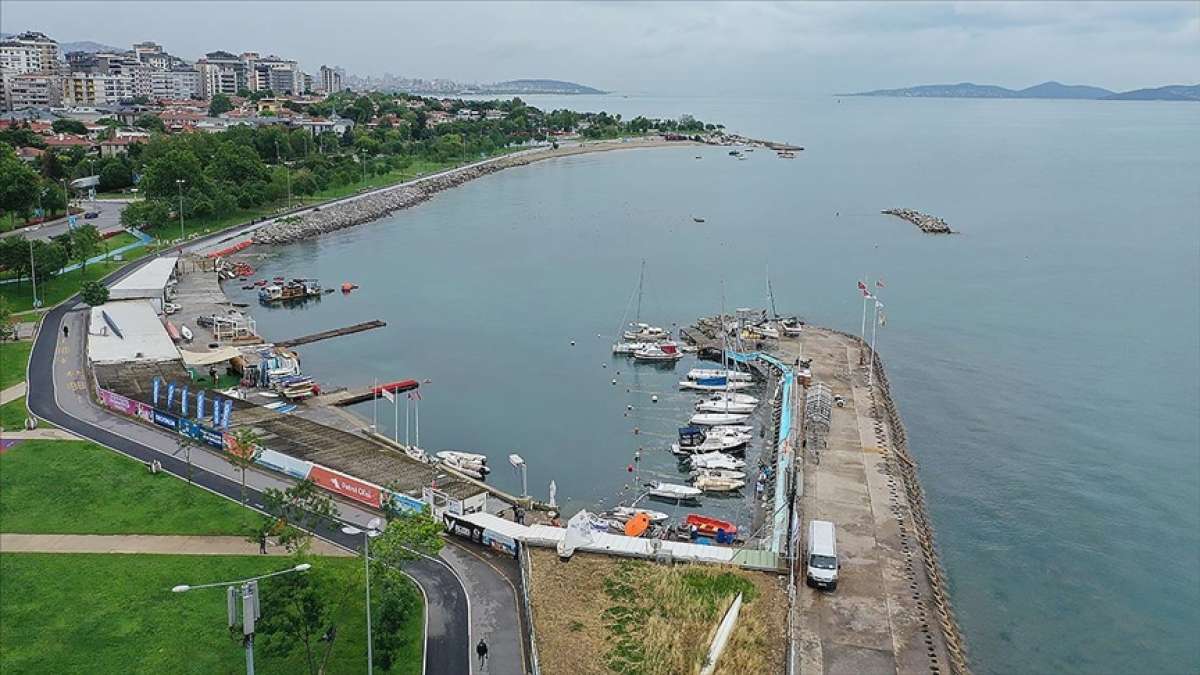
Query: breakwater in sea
point(927, 223)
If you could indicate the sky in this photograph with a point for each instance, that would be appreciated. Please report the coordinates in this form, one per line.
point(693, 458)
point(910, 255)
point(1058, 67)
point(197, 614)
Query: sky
point(672, 48)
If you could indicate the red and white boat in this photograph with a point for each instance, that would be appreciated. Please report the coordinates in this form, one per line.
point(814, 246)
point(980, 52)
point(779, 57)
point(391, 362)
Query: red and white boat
point(707, 525)
point(663, 351)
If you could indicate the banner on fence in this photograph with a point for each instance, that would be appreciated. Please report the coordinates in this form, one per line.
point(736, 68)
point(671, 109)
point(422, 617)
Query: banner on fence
point(115, 401)
point(403, 502)
point(167, 420)
point(346, 486)
point(284, 464)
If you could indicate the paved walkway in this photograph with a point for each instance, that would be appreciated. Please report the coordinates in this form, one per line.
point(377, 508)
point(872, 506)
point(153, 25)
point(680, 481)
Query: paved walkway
point(12, 393)
point(147, 543)
point(40, 435)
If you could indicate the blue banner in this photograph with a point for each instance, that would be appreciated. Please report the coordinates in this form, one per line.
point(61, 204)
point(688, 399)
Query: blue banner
point(170, 395)
point(216, 412)
point(163, 419)
point(189, 428)
point(183, 401)
point(156, 380)
point(200, 404)
point(228, 410)
point(212, 438)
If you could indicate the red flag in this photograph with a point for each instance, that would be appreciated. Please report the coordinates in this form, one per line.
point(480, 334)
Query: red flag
point(867, 294)
point(862, 286)
point(879, 283)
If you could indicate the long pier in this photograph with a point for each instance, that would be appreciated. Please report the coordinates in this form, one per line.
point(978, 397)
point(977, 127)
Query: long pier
point(336, 332)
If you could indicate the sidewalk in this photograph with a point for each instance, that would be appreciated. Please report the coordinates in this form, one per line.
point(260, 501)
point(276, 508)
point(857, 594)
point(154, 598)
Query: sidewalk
point(12, 393)
point(147, 543)
point(40, 435)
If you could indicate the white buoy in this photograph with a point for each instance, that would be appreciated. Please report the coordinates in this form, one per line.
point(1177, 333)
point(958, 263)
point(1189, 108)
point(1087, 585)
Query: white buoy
point(629, 407)
point(572, 343)
point(603, 365)
point(654, 398)
point(614, 381)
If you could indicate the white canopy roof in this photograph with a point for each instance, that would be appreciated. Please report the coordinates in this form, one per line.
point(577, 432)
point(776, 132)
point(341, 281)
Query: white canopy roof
point(147, 282)
point(132, 331)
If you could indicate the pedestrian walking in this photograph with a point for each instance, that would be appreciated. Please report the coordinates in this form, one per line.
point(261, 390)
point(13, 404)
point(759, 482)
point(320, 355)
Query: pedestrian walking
point(212, 372)
point(481, 650)
point(66, 331)
point(262, 543)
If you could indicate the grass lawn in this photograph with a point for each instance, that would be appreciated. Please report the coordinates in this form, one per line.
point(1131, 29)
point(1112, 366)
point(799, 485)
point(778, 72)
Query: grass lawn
point(12, 416)
point(13, 357)
point(77, 487)
point(94, 613)
point(56, 289)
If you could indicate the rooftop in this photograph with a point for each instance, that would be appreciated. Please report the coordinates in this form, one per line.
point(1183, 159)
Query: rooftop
point(128, 330)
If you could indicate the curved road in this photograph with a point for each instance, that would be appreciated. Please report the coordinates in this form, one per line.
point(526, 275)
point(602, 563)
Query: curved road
point(60, 392)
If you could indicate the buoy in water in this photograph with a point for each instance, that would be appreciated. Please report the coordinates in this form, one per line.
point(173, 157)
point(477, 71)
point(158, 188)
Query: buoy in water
point(572, 343)
point(654, 398)
point(636, 431)
point(614, 381)
point(629, 407)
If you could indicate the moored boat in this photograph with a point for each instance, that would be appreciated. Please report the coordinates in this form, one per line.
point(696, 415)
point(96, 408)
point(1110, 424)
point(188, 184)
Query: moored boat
point(728, 474)
point(627, 512)
point(710, 373)
point(629, 348)
point(715, 484)
point(732, 397)
point(714, 384)
point(673, 491)
point(662, 351)
point(717, 460)
point(643, 332)
point(725, 407)
point(707, 525)
point(709, 419)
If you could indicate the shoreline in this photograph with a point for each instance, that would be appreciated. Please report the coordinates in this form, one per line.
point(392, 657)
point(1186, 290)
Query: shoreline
point(375, 204)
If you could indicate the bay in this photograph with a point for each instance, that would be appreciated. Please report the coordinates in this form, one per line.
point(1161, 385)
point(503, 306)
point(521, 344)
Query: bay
point(1046, 361)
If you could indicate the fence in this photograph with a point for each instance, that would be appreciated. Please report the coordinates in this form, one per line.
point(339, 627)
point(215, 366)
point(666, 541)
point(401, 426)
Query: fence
point(526, 575)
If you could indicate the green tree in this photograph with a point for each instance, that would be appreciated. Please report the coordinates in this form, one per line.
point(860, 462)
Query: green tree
point(184, 445)
point(408, 535)
point(18, 183)
point(219, 105)
point(302, 612)
point(93, 293)
point(146, 213)
point(48, 258)
point(241, 451)
point(149, 122)
point(294, 513)
point(65, 126)
point(85, 241)
point(7, 325)
point(115, 174)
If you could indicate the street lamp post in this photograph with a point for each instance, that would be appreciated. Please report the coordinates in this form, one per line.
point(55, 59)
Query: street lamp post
point(32, 269)
point(179, 183)
point(251, 607)
point(518, 462)
point(371, 531)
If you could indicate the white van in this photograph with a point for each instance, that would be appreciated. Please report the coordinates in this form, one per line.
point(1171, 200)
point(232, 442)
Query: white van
point(821, 558)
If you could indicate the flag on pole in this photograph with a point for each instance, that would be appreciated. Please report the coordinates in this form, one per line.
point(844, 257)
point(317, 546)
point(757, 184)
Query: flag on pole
point(879, 283)
point(225, 415)
point(882, 319)
point(862, 286)
point(387, 393)
point(867, 294)
point(156, 383)
point(414, 395)
point(183, 401)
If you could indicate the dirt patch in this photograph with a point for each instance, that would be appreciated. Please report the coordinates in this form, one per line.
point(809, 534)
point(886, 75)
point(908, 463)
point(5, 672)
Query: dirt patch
point(600, 614)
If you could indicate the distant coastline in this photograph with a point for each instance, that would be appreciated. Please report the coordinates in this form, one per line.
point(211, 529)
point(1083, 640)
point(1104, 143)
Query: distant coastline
point(1045, 90)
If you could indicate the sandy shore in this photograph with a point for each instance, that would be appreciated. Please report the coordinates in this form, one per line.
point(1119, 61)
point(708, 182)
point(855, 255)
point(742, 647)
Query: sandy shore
point(376, 204)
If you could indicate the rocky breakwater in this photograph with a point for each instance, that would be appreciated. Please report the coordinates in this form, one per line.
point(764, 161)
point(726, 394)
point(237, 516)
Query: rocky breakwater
point(374, 205)
point(927, 223)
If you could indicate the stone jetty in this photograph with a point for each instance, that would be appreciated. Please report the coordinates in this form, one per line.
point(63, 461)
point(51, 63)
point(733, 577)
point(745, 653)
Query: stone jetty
point(928, 224)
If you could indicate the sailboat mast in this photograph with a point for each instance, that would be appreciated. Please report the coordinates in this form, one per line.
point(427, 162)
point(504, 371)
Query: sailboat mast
point(641, 279)
point(771, 294)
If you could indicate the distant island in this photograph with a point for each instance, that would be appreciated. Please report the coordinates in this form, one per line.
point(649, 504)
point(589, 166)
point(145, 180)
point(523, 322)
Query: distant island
point(537, 87)
point(1052, 90)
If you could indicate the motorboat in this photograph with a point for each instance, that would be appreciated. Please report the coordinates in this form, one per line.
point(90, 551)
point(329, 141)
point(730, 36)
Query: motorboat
point(707, 525)
point(711, 419)
point(627, 512)
point(732, 397)
point(458, 455)
point(628, 348)
point(673, 491)
point(636, 526)
point(296, 289)
point(186, 333)
point(791, 326)
point(728, 474)
point(725, 407)
point(714, 484)
point(472, 464)
point(717, 460)
point(731, 429)
point(644, 332)
point(714, 384)
point(662, 351)
point(763, 330)
point(709, 373)
point(712, 444)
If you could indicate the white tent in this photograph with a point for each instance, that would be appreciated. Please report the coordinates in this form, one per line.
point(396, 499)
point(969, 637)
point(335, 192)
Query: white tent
point(148, 282)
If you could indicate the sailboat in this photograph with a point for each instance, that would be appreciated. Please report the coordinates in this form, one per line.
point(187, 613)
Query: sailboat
point(725, 407)
point(660, 351)
point(713, 419)
point(714, 384)
point(732, 397)
point(673, 491)
point(638, 335)
point(706, 373)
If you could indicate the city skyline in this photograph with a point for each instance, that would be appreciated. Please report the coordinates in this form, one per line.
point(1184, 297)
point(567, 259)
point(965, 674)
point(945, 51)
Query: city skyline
point(709, 48)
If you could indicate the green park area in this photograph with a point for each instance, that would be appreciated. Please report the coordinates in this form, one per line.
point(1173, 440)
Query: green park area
point(13, 357)
point(89, 612)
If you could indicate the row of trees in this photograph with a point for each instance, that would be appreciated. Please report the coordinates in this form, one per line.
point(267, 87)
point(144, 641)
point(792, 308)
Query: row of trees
point(42, 259)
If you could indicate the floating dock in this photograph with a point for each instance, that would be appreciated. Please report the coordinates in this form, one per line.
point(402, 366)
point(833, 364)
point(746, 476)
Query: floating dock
point(336, 332)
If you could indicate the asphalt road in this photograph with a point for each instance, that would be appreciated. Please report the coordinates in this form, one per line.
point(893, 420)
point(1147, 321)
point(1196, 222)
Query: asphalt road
point(108, 220)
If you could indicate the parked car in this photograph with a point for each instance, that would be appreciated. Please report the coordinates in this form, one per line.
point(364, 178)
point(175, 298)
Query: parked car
point(822, 558)
point(91, 214)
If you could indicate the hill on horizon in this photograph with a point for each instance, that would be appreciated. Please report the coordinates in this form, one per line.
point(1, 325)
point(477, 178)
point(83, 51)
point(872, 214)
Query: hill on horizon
point(1045, 90)
point(541, 86)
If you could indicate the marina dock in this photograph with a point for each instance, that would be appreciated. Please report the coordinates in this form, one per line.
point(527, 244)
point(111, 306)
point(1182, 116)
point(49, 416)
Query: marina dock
point(336, 332)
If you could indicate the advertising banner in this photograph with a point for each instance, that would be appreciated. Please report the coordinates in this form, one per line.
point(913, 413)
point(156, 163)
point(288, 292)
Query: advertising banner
point(183, 402)
point(167, 420)
point(170, 395)
point(283, 463)
point(211, 437)
point(117, 402)
point(189, 428)
point(200, 404)
point(346, 486)
point(228, 410)
point(216, 413)
point(156, 381)
point(144, 411)
point(403, 502)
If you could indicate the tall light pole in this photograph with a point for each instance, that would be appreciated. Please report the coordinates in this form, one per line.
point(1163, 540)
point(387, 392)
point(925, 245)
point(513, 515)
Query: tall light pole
point(179, 183)
point(369, 533)
point(32, 269)
point(251, 607)
point(874, 327)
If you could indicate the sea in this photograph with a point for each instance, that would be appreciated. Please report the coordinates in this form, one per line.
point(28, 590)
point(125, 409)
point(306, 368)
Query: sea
point(1046, 360)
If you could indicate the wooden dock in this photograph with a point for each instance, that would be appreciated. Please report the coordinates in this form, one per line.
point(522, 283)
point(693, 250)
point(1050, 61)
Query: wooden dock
point(336, 332)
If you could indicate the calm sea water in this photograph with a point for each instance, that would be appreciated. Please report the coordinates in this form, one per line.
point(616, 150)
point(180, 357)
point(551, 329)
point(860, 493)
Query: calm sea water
point(1046, 361)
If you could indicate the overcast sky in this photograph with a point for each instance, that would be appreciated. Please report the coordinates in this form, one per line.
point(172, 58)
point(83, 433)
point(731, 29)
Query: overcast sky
point(669, 48)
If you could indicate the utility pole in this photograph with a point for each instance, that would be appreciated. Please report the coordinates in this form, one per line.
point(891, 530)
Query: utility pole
point(179, 183)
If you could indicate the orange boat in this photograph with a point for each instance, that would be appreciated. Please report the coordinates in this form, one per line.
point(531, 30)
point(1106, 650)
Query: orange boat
point(708, 526)
point(635, 526)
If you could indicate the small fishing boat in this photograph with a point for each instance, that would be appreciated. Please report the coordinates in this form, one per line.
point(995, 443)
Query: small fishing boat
point(628, 348)
point(732, 397)
point(714, 484)
point(471, 471)
point(186, 333)
point(717, 460)
point(710, 373)
point(725, 407)
point(673, 491)
point(714, 384)
point(473, 468)
point(728, 474)
point(707, 525)
point(734, 153)
point(637, 525)
point(662, 351)
point(791, 326)
point(347, 287)
point(695, 440)
point(644, 332)
point(627, 512)
point(731, 429)
point(714, 419)
point(697, 220)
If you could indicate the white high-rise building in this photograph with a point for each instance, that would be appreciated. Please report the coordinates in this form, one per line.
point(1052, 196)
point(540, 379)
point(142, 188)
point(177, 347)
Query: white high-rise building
point(30, 90)
point(221, 73)
point(180, 83)
point(331, 79)
point(29, 52)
